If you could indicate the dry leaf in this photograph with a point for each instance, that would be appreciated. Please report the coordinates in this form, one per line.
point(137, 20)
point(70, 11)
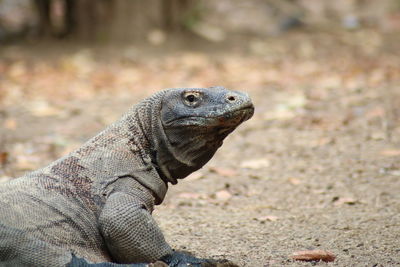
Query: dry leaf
point(255, 164)
point(270, 218)
point(376, 112)
point(344, 200)
point(323, 141)
point(390, 152)
point(3, 157)
point(10, 124)
point(294, 181)
point(223, 195)
point(313, 255)
point(223, 171)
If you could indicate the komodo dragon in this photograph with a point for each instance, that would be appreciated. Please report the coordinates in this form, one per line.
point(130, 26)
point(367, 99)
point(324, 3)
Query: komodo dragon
point(93, 207)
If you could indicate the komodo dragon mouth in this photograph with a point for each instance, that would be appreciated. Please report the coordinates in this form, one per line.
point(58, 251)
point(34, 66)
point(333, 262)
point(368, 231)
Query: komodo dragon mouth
point(228, 119)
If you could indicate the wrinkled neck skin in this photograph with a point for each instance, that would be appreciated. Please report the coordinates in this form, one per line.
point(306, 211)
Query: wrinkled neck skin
point(142, 128)
point(183, 150)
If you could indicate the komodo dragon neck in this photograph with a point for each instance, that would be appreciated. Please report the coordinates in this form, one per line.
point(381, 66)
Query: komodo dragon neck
point(124, 149)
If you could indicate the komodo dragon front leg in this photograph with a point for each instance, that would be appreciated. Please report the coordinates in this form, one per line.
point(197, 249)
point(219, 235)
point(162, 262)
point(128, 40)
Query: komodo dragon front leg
point(130, 232)
point(132, 235)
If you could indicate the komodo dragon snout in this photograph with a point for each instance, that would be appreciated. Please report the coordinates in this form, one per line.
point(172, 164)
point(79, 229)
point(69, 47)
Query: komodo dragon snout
point(195, 122)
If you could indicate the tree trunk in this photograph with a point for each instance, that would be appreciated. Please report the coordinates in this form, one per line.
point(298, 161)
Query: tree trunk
point(116, 19)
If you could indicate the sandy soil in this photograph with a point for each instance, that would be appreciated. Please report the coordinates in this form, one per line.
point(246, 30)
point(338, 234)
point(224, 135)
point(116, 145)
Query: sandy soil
point(317, 167)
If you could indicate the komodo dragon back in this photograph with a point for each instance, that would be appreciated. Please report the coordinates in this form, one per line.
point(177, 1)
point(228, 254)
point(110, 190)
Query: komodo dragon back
point(93, 207)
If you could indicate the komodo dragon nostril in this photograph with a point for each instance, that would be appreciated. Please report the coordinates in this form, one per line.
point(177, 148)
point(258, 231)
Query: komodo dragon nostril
point(231, 98)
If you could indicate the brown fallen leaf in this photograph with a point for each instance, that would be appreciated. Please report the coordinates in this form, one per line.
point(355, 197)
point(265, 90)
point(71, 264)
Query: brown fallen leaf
point(313, 255)
point(294, 181)
point(322, 141)
point(223, 171)
point(3, 157)
point(223, 195)
point(375, 112)
point(10, 124)
point(390, 152)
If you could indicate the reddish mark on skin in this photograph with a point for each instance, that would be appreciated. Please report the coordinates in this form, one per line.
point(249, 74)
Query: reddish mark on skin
point(67, 178)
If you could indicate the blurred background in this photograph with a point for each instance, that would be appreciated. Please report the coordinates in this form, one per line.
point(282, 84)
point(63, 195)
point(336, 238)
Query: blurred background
point(124, 20)
point(318, 165)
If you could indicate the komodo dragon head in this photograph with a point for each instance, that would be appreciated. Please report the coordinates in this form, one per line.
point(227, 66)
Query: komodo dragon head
point(195, 122)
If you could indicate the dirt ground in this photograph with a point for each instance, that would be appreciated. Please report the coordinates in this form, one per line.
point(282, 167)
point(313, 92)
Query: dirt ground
point(317, 167)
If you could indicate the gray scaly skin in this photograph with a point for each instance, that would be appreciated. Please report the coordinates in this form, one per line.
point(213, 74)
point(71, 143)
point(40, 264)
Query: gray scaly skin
point(93, 207)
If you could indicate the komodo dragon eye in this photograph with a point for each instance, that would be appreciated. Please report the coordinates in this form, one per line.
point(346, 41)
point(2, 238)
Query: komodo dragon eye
point(192, 99)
